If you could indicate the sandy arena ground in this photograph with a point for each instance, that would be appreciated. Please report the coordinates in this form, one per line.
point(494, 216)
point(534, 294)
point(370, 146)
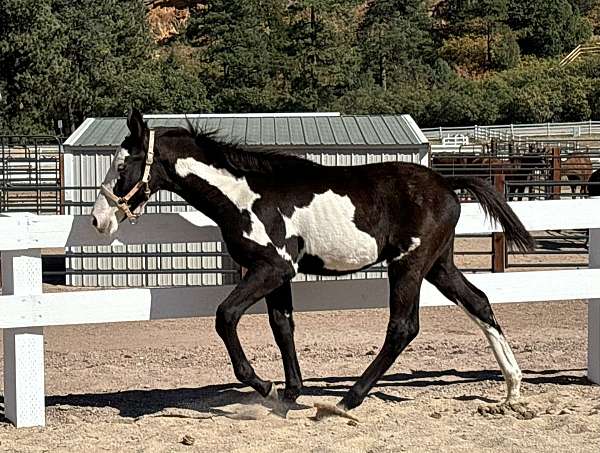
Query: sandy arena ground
point(147, 386)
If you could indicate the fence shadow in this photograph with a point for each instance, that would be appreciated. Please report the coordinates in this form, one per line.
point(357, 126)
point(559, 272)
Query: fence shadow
point(211, 398)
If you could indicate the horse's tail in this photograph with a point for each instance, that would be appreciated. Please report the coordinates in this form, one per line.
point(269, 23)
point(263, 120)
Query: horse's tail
point(495, 206)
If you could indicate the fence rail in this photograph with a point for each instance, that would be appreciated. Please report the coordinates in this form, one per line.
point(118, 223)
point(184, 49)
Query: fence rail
point(516, 131)
point(578, 51)
point(25, 310)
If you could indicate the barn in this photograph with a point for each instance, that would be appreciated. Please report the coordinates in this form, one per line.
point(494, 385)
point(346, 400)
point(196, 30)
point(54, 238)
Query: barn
point(327, 138)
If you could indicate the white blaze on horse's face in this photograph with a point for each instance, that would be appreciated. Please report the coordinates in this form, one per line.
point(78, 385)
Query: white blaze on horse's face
point(106, 216)
point(330, 233)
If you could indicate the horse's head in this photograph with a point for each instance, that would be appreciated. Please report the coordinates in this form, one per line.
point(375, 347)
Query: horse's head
point(131, 178)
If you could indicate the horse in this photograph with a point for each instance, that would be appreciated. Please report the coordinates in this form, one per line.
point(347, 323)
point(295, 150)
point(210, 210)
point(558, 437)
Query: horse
point(578, 170)
point(450, 165)
point(518, 168)
point(281, 214)
point(593, 187)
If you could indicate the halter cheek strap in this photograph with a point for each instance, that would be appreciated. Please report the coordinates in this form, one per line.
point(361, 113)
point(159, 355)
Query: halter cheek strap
point(123, 202)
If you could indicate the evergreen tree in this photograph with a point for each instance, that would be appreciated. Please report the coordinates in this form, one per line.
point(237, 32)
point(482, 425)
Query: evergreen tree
point(32, 66)
point(241, 43)
point(65, 60)
point(180, 85)
point(395, 39)
point(109, 57)
point(322, 61)
point(547, 27)
point(467, 19)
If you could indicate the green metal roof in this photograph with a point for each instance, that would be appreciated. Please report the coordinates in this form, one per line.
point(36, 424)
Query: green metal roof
point(268, 129)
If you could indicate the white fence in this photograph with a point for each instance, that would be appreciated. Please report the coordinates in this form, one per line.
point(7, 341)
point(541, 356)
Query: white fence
point(578, 51)
point(516, 131)
point(25, 310)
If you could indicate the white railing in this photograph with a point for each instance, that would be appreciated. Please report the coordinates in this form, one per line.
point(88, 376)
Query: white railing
point(517, 131)
point(455, 140)
point(578, 51)
point(25, 310)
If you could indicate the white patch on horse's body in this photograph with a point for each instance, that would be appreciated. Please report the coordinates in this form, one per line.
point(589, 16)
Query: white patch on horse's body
point(415, 242)
point(235, 189)
point(505, 357)
point(327, 227)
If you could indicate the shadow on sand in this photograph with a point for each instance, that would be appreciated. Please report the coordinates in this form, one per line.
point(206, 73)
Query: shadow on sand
point(212, 398)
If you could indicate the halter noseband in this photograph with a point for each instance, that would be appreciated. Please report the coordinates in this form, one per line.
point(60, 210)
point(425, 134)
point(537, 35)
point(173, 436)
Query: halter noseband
point(123, 202)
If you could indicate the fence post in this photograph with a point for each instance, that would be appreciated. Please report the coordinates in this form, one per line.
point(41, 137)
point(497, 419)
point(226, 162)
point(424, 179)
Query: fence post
point(24, 403)
point(498, 241)
point(593, 365)
point(556, 173)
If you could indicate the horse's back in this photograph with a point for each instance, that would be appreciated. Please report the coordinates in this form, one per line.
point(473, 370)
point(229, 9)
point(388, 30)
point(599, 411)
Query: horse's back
point(353, 217)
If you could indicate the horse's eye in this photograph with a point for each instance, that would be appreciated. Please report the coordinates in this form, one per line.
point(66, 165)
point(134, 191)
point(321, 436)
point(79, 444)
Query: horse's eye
point(120, 167)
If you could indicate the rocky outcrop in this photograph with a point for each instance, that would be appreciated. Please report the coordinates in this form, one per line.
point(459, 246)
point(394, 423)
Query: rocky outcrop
point(168, 17)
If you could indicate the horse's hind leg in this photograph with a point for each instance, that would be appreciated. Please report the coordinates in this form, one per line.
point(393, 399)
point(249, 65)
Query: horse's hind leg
point(279, 304)
point(452, 283)
point(403, 326)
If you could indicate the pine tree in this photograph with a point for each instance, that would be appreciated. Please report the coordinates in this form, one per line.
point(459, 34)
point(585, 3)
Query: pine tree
point(241, 44)
point(464, 21)
point(109, 57)
point(395, 36)
point(68, 60)
point(322, 60)
point(32, 66)
point(547, 27)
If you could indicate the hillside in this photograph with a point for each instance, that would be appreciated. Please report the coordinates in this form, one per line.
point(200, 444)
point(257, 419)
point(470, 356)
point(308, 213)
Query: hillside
point(167, 18)
point(445, 62)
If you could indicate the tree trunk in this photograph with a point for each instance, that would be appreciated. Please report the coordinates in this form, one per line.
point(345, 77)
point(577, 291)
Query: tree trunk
point(383, 73)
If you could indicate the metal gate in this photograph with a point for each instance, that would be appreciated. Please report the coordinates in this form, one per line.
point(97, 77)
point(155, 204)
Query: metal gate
point(31, 174)
point(529, 170)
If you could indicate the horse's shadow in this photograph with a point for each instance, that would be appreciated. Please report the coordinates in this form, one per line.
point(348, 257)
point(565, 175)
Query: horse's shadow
point(212, 398)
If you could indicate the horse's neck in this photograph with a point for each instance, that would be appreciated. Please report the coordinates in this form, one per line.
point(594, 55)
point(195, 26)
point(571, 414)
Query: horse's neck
point(212, 190)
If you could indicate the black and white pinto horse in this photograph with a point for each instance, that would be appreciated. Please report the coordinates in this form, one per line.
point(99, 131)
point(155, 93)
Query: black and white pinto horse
point(280, 215)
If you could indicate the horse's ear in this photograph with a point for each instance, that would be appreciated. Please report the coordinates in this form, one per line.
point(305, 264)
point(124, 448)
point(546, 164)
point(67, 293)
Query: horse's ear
point(135, 124)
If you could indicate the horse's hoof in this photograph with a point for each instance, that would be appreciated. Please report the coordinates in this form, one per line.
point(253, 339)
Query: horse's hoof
point(328, 410)
point(273, 402)
point(290, 395)
point(273, 395)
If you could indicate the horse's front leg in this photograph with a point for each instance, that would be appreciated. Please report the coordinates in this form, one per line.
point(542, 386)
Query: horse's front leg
point(256, 284)
point(279, 304)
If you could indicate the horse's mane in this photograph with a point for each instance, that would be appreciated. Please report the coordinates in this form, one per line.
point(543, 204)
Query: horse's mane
point(239, 161)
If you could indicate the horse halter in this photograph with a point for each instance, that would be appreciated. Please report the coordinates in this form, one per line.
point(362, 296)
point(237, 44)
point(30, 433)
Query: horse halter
point(123, 202)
